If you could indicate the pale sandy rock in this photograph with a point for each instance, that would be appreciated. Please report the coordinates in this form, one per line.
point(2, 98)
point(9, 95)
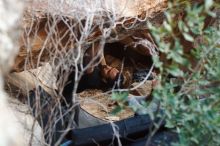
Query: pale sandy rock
point(76, 8)
point(15, 126)
point(49, 32)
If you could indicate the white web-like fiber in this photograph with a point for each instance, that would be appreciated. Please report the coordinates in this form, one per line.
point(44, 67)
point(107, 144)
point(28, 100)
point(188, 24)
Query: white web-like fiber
point(61, 32)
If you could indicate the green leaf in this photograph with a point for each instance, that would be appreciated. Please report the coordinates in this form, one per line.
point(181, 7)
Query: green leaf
point(169, 124)
point(167, 26)
point(116, 110)
point(120, 96)
point(188, 37)
point(175, 71)
point(208, 4)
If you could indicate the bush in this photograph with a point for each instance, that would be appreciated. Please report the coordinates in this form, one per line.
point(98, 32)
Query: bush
point(189, 45)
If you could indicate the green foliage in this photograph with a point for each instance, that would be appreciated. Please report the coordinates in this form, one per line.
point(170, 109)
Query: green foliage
point(121, 98)
point(191, 47)
point(198, 66)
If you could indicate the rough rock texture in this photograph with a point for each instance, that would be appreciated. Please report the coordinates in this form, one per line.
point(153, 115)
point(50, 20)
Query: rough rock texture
point(77, 8)
point(15, 127)
point(52, 29)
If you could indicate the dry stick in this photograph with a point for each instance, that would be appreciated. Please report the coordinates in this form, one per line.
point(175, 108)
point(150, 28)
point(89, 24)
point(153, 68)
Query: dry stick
point(155, 130)
point(116, 135)
point(74, 93)
point(77, 59)
point(196, 69)
point(113, 126)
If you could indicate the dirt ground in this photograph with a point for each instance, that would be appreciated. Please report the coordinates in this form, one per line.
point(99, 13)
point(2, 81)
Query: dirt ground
point(101, 105)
